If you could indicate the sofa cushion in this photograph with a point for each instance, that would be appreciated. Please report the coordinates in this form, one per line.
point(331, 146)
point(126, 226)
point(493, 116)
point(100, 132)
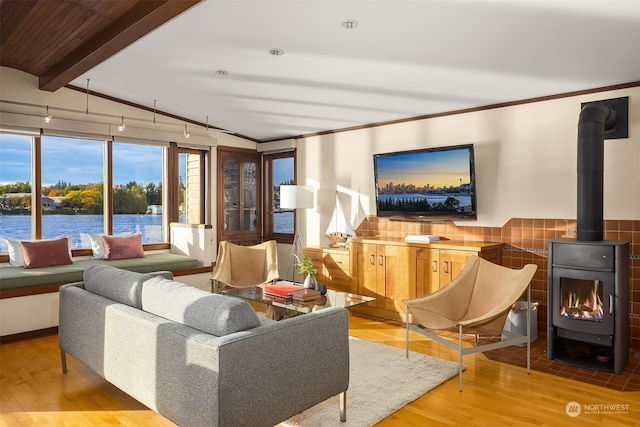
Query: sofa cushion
point(13, 278)
point(212, 313)
point(119, 285)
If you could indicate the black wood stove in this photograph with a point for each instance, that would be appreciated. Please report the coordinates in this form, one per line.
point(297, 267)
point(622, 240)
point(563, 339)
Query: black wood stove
point(588, 307)
point(588, 293)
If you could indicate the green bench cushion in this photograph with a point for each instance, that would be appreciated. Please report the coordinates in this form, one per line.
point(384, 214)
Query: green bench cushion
point(18, 277)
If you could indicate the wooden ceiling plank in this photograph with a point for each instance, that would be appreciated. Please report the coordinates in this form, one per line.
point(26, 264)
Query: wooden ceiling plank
point(12, 14)
point(49, 35)
point(141, 19)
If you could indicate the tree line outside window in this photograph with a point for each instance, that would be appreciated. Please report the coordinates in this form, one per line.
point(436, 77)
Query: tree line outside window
point(131, 198)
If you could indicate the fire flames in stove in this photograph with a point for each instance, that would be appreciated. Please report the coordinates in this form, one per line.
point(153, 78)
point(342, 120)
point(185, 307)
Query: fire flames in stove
point(581, 299)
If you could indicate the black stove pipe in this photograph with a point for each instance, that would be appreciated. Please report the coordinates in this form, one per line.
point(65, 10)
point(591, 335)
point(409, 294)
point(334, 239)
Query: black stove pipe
point(595, 119)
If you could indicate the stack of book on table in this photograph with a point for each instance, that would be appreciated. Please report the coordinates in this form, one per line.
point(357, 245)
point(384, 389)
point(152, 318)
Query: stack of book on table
point(281, 291)
point(306, 295)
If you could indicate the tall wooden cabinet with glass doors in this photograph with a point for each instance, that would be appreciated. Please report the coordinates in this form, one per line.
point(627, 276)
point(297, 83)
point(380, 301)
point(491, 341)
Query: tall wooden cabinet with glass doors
point(239, 196)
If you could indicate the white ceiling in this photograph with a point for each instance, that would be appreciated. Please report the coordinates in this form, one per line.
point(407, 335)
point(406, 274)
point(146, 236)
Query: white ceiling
point(405, 59)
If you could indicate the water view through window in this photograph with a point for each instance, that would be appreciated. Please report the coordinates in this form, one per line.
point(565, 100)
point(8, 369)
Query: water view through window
point(283, 220)
point(137, 190)
point(15, 188)
point(73, 196)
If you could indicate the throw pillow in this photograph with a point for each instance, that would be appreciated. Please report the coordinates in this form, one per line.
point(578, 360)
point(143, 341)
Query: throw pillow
point(97, 248)
point(16, 258)
point(15, 253)
point(45, 253)
point(122, 247)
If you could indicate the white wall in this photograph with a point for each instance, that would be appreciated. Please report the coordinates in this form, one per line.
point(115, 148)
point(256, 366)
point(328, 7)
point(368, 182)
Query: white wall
point(526, 162)
point(525, 154)
point(30, 313)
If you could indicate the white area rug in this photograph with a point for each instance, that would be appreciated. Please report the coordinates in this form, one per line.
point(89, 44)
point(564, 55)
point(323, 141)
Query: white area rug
point(382, 381)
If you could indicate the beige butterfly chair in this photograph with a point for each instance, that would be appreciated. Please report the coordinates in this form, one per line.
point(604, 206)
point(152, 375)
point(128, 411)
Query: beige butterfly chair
point(244, 266)
point(477, 301)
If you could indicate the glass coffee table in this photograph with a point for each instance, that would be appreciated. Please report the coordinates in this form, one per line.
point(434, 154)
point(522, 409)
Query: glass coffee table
point(330, 299)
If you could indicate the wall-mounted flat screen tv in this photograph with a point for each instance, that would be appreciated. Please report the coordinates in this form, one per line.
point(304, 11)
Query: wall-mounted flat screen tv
point(431, 183)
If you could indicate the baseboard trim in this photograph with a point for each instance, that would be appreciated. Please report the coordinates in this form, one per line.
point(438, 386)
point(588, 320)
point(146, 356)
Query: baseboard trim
point(22, 336)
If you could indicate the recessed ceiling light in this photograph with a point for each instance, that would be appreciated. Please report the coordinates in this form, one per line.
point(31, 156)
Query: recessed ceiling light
point(350, 24)
point(276, 52)
point(222, 72)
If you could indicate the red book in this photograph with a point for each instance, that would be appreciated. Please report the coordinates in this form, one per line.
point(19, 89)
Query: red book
point(283, 290)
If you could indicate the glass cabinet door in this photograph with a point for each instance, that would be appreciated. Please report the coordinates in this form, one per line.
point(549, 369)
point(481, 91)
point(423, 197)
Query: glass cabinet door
point(231, 187)
point(239, 196)
point(250, 187)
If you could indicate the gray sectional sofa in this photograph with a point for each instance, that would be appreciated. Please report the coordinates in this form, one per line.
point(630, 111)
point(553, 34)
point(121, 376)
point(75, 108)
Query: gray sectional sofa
point(202, 359)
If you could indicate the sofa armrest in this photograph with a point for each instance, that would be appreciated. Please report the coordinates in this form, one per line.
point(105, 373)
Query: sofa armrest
point(282, 368)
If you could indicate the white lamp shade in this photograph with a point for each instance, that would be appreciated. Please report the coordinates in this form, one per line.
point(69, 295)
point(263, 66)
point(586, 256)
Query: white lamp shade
point(296, 197)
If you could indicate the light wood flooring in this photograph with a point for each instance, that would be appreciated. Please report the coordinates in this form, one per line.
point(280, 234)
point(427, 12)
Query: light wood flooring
point(34, 392)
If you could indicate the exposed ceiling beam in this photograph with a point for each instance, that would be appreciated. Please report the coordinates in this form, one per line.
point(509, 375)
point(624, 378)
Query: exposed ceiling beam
point(143, 18)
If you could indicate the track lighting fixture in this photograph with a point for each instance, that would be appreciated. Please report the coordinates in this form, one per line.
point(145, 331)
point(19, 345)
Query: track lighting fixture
point(87, 109)
point(47, 118)
point(63, 113)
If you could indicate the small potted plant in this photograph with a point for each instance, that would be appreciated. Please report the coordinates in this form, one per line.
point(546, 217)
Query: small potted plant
point(305, 265)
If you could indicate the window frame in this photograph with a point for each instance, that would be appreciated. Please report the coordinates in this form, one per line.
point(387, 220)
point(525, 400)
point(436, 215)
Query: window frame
point(268, 208)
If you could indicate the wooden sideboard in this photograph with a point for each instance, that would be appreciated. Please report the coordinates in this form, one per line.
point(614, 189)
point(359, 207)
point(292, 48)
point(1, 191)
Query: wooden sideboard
point(332, 265)
point(392, 270)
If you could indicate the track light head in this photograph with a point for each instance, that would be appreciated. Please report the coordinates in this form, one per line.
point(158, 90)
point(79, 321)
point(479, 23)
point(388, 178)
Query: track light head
point(187, 134)
point(122, 125)
point(48, 118)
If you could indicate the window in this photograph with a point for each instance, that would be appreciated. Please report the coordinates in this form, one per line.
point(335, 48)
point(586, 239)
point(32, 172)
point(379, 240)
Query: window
point(72, 178)
point(191, 189)
point(137, 190)
point(91, 186)
point(15, 188)
point(279, 169)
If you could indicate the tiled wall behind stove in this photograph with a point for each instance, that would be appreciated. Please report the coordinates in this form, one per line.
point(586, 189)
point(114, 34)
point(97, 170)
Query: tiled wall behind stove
point(526, 242)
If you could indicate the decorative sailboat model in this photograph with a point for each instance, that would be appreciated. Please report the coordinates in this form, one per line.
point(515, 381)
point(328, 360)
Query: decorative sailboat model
point(339, 229)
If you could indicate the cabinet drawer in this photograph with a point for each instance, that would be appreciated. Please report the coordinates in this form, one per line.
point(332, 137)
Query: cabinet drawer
point(315, 255)
point(338, 261)
point(338, 277)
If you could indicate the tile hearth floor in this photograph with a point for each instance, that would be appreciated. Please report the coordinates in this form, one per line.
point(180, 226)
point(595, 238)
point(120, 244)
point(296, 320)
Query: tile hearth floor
point(629, 380)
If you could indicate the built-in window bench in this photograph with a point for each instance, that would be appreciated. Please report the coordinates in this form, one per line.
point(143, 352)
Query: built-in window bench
point(18, 281)
point(29, 297)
